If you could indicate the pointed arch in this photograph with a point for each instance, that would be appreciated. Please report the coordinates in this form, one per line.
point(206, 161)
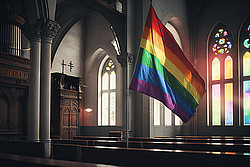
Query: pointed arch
point(107, 93)
point(70, 12)
point(220, 61)
point(244, 60)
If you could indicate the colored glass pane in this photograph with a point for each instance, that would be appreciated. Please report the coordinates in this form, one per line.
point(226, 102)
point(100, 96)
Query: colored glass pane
point(229, 104)
point(246, 102)
point(216, 104)
point(228, 67)
point(246, 43)
point(246, 64)
point(222, 43)
point(216, 69)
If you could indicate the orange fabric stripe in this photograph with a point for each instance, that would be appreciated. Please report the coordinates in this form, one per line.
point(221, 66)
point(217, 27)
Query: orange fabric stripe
point(157, 41)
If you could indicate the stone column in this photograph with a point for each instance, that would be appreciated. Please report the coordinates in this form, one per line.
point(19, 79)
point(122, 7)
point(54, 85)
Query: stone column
point(49, 31)
point(33, 34)
point(130, 54)
point(124, 59)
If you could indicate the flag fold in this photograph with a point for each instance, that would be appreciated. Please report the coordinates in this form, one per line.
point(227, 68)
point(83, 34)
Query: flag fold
point(163, 72)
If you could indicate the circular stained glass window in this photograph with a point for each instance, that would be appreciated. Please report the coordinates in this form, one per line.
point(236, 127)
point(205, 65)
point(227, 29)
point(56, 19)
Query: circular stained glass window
point(222, 43)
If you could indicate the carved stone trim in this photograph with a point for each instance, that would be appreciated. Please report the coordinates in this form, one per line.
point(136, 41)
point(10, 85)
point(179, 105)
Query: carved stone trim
point(33, 31)
point(123, 59)
point(50, 28)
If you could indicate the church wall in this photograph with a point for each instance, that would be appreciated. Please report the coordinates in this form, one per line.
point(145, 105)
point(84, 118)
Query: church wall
point(71, 49)
point(98, 45)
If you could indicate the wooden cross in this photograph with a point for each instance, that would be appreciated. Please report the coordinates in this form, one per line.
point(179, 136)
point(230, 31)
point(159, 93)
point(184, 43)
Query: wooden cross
point(70, 66)
point(63, 64)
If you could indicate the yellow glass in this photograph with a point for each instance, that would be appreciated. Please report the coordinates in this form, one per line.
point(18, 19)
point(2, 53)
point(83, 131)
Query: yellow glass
point(216, 69)
point(246, 64)
point(228, 67)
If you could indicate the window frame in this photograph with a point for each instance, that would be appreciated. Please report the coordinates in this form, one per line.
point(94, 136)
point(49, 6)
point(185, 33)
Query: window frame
point(242, 51)
point(222, 81)
point(102, 71)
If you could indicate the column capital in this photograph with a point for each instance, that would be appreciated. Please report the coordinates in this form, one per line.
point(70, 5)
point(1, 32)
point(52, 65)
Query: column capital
point(125, 58)
point(33, 31)
point(50, 28)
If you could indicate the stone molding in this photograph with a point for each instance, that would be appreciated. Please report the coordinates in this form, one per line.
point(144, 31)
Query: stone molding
point(49, 28)
point(125, 59)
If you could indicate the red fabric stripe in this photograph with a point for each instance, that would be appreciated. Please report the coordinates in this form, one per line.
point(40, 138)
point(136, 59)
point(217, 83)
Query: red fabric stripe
point(169, 41)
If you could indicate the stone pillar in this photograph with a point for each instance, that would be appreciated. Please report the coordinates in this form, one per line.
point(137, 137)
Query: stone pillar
point(124, 59)
point(131, 53)
point(33, 34)
point(49, 31)
point(10, 39)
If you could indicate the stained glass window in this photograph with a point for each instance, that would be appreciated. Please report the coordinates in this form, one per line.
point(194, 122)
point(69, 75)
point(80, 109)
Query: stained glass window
point(107, 114)
point(222, 43)
point(221, 73)
point(245, 52)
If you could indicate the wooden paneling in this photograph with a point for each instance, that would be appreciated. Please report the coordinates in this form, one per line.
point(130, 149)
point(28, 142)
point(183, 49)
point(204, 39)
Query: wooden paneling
point(65, 106)
point(14, 84)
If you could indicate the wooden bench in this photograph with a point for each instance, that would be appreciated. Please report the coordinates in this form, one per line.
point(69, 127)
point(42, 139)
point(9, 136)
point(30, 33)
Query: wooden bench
point(116, 134)
point(97, 138)
point(70, 152)
point(196, 140)
point(221, 147)
point(71, 141)
point(10, 160)
point(159, 157)
point(199, 146)
point(21, 147)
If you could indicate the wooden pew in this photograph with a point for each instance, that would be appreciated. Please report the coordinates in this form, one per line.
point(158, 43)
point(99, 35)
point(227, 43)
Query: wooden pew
point(196, 140)
point(22, 147)
point(222, 147)
point(71, 141)
point(10, 160)
point(97, 138)
point(158, 157)
point(213, 137)
point(70, 152)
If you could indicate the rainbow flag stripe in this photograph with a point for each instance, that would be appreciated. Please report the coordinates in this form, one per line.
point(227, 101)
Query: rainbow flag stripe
point(163, 72)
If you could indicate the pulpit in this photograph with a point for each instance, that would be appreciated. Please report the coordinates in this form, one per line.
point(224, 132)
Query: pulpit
point(66, 98)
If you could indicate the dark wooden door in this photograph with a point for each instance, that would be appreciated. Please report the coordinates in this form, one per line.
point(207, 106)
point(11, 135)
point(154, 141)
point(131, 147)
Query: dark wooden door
point(69, 126)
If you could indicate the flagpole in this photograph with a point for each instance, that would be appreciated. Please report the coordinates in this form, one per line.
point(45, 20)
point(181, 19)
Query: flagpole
point(127, 99)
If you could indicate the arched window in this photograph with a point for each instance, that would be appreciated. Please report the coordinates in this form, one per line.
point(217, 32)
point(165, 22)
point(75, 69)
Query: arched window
point(245, 72)
point(221, 79)
point(107, 93)
point(163, 115)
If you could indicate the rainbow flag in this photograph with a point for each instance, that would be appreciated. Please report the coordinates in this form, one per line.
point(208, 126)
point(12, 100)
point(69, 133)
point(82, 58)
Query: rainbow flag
point(163, 72)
